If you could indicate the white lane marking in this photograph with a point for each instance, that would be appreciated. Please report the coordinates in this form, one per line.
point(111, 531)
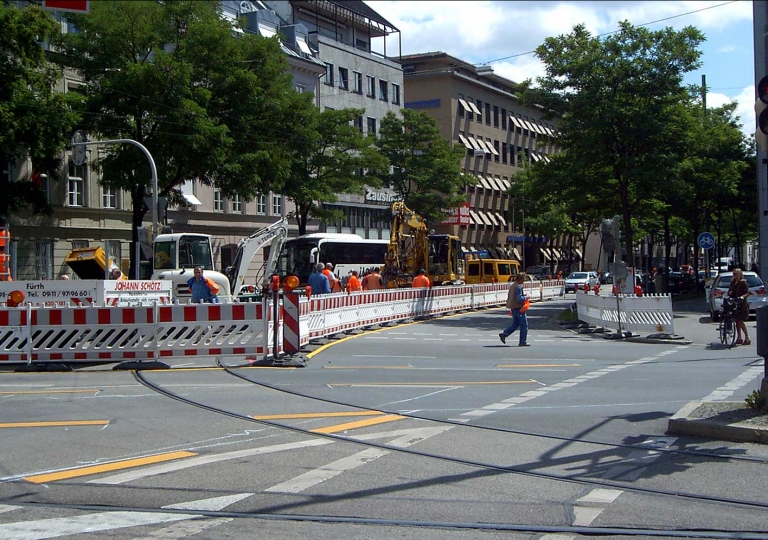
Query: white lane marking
point(7, 508)
point(387, 356)
point(417, 397)
point(405, 338)
point(326, 472)
point(204, 460)
point(374, 337)
point(184, 529)
point(600, 496)
point(732, 386)
point(583, 516)
point(107, 521)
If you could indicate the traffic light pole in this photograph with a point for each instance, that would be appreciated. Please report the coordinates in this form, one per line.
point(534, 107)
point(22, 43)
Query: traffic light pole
point(760, 28)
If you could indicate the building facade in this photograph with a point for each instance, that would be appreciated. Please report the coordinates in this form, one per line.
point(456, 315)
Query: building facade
point(479, 111)
point(347, 35)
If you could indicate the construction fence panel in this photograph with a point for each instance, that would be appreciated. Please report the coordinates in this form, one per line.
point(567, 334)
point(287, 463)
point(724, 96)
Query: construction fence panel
point(646, 314)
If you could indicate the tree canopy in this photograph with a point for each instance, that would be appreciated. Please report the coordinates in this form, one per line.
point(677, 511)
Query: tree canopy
point(329, 153)
point(424, 169)
point(618, 100)
point(35, 120)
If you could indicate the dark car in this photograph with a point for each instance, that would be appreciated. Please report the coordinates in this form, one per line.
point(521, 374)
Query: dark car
point(539, 272)
point(681, 282)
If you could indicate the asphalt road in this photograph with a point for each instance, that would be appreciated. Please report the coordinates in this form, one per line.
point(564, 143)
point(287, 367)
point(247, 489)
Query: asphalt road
point(433, 429)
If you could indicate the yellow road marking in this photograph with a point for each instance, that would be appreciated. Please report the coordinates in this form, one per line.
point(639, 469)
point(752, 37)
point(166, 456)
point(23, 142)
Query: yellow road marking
point(537, 365)
point(367, 367)
point(315, 415)
point(107, 467)
point(84, 391)
point(56, 424)
point(359, 423)
point(459, 383)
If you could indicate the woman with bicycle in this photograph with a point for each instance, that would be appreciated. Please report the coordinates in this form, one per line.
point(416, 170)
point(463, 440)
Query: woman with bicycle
point(739, 290)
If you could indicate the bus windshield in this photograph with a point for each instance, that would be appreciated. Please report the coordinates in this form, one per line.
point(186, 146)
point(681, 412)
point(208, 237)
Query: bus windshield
point(300, 254)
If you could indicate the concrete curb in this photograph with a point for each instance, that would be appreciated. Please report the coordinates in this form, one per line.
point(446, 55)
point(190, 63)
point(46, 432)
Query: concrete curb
point(683, 424)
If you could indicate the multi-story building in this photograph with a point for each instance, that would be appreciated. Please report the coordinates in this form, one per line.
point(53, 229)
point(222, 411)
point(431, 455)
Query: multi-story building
point(478, 110)
point(345, 33)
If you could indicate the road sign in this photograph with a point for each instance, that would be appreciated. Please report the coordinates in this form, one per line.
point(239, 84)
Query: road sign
point(79, 154)
point(706, 240)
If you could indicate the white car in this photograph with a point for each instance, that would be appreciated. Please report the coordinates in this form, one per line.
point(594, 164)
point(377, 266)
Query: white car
point(576, 280)
point(719, 289)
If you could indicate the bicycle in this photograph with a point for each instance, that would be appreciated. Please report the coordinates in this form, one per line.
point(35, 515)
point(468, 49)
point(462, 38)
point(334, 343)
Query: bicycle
point(727, 327)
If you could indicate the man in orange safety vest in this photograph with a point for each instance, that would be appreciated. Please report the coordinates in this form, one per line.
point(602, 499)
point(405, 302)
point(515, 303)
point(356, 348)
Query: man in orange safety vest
point(421, 281)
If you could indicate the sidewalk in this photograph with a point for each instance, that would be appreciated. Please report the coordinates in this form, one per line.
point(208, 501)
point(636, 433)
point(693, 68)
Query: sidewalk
point(723, 420)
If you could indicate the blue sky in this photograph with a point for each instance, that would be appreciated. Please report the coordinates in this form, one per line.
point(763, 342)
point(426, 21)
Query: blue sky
point(483, 31)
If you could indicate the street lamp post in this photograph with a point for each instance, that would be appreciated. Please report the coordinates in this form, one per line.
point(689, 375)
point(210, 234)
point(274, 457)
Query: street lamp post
point(523, 257)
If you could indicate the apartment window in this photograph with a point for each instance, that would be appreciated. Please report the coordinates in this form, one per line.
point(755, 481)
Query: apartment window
point(496, 147)
point(371, 125)
point(358, 122)
point(237, 205)
point(218, 200)
point(277, 205)
point(343, 78)
point(488, 114)
point(76, 184)
point(504, 119)
point(383, 90)
point(480, 108)
point(44, 260)
point(396, 94)
point(300, 88)
point(361, 44)
point(357, 80)
point(329, 74)
point(495, 116)
point(503, 152)
point(108, 197)
point(261, 204)
point(371, 86)
point(461, 107)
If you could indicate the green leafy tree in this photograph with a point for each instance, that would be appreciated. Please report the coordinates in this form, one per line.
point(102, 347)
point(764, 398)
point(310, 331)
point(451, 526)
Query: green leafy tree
point(425, 169)
point(35, 120)
point(329, 152)
point(616, 98)
point(208, 105)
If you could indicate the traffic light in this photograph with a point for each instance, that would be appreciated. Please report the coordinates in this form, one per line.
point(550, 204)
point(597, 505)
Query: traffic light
point(761, 114)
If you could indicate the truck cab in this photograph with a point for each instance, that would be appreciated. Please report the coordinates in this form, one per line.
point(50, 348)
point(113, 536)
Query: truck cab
point(174, 258)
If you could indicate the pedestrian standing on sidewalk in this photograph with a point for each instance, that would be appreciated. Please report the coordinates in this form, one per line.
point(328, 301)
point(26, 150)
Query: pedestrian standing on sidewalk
point(516, 297)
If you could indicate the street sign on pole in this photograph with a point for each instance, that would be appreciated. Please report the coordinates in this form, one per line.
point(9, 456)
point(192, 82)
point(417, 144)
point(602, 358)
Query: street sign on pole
point(79, 153)
point(706, 240)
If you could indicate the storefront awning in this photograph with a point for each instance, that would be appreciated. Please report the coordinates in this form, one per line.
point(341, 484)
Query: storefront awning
point(546, 255)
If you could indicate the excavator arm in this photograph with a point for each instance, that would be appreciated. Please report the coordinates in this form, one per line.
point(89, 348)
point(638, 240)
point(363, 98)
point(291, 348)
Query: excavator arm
point(274, 234)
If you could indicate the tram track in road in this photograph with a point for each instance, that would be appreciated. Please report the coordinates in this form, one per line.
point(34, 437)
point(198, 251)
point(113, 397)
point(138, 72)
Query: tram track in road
point(595, 483)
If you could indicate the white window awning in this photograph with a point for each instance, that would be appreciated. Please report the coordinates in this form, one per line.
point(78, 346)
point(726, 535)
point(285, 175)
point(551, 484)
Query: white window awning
point(481, 144)
point(473, 107)
point(475, 218)
point(473, 142)
point(464, 140)
point(502, 219)
point(546, 255)
point(517, 254)
point(504, 183)
point(191, 199)
point(578, 252)
point(303, 46)
point(528, 126)
point(515, 121)
point(492, 218)
point(492, 148)
point(485, 219)
point(267, 31)
point(465, 106)
point(492, 183)
point(484, 182)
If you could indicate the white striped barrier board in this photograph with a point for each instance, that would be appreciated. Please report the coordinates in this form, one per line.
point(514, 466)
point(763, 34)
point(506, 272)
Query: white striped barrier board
point(90, 292)
point(650, 313)
point(115, 333)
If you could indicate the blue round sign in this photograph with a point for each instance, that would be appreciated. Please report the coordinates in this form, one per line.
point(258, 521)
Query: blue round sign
point(706, 240)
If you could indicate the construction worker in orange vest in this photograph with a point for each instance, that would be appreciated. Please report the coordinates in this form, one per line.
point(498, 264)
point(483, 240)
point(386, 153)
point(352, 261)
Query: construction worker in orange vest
point(353, 284)
point(373, 281)
point(421, 281)
point(332, 281)
point(5, 247)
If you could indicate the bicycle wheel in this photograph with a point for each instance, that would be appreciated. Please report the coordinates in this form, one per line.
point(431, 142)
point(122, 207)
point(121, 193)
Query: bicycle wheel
point(722, 328)
point(730, 331)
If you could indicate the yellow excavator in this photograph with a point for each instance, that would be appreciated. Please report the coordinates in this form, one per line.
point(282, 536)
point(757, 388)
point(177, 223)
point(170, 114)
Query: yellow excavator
point(412, 248)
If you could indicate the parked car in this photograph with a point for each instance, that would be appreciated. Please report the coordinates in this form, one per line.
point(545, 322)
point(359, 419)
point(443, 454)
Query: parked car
point(538, 272)
point(576, 280)
point(719, 289)
point(680, 282)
